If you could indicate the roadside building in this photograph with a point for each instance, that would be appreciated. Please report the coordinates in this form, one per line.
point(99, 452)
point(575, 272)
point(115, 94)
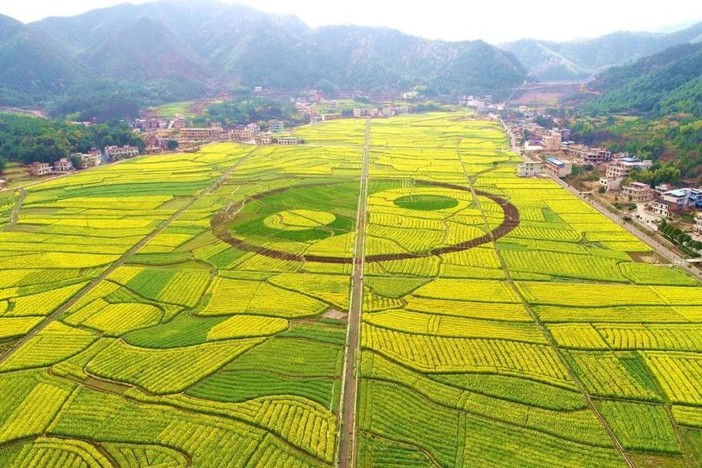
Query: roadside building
point(679, 197)
point(662, 208)
point(552, 141)
point(637, 192)
point(40, 169)
point(63, 165)
point(557, 167)
point(241, 134)
point(610, 183)
point(529, 169)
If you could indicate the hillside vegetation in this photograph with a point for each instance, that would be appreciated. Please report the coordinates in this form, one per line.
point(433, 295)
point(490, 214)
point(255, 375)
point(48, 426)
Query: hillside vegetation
point(168, 51)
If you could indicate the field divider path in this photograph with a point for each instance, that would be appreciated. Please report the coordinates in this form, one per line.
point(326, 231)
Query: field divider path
point(547, 335)
point(349, 383)
point(123, 259)
point(15, 213)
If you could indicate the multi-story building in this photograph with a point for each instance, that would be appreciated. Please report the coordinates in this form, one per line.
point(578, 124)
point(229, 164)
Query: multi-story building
point(679, 197)
point(552, 141)
point(241, 134)
point(623, 167)
point(63, 165)
point(557, 167)
point(637, 192)
point(530, 169)
point(288, 140)
point(39, 169)
point(276, 126)
point(201, 134)
point(116, 153)
point(91, 159)
point(596, 156)
point(662, 208)
point(610, 184)
point(264, 139)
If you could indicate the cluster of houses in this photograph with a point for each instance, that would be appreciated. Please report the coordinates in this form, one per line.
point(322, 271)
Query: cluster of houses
point(93, 158)
point(250, 133)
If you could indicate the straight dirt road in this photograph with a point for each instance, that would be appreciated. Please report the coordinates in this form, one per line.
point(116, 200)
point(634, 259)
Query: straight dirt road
point(347, 435)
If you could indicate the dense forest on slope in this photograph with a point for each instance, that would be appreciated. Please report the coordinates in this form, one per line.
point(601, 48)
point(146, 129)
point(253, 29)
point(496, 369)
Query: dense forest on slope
point(182, 50)
point(26, 139)
point(666, 83)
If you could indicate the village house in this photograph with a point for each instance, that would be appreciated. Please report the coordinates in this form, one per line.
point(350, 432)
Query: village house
point(63, 165)
point(39, 169)
point(552, 141)
point(201, 134)
point(116, 153)
point(276, 126)
point(91, 159)
point(609, 183)
point(264, 139)
point(596, 156)
point(637, 192)
point(557, 167)
point(662, 208)
point(530, 169)
point(241, 134)
point(288, 140)
point(622, 168)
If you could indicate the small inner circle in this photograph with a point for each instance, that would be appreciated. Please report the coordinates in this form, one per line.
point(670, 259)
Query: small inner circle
point(299, 220)
point(426, 202)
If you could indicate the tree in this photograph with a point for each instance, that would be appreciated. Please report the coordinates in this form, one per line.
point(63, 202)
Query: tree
point(3, 164)
point(172, 145)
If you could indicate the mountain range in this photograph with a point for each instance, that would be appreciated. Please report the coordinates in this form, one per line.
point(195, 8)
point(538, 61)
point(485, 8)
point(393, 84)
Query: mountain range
point(582, 59)
point(189, 48)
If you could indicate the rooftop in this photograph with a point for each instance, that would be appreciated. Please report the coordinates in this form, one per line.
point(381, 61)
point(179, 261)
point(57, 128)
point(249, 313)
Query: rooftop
point(556, 161)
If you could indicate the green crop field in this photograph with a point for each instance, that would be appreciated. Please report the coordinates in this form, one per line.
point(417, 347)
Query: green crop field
point(196, 310)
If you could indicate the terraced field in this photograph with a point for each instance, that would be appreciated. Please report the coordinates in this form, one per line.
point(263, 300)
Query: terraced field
point(192, 310)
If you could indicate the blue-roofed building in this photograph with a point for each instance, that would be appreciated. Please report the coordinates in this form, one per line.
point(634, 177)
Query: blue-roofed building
point(557, 167)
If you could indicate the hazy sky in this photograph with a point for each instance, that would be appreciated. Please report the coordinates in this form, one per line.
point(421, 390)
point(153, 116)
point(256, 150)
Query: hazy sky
point(491, 20)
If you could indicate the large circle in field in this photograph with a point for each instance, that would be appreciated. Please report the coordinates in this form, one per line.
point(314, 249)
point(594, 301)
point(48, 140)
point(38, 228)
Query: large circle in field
point(426, 202)
point(299, 220)
point(265, 219)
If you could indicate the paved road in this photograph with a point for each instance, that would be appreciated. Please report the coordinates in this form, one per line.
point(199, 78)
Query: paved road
point(121, 261)
point(664, 251)
point(347, 436)
point(659, 248)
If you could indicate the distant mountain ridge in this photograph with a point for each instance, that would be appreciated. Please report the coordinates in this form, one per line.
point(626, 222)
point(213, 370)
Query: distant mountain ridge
point(581, 59)
point(190, 46)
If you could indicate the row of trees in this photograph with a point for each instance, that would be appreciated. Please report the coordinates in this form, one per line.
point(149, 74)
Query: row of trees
point(681, 238)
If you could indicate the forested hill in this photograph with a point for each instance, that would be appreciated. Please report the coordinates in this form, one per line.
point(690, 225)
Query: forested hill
point(581, 59)
point(175, 50)
point(660, 85)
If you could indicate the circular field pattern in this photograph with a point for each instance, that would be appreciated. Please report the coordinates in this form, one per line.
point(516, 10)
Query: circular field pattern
point(299, 220)
point(426, 202)
point(273, 231)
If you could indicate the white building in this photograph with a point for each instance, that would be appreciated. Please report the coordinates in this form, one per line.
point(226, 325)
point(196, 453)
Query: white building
point(558, 168)
point(115, 153)
point(530, 169)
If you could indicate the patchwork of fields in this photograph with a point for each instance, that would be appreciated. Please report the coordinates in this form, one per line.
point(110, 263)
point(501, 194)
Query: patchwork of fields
point(191, 310)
